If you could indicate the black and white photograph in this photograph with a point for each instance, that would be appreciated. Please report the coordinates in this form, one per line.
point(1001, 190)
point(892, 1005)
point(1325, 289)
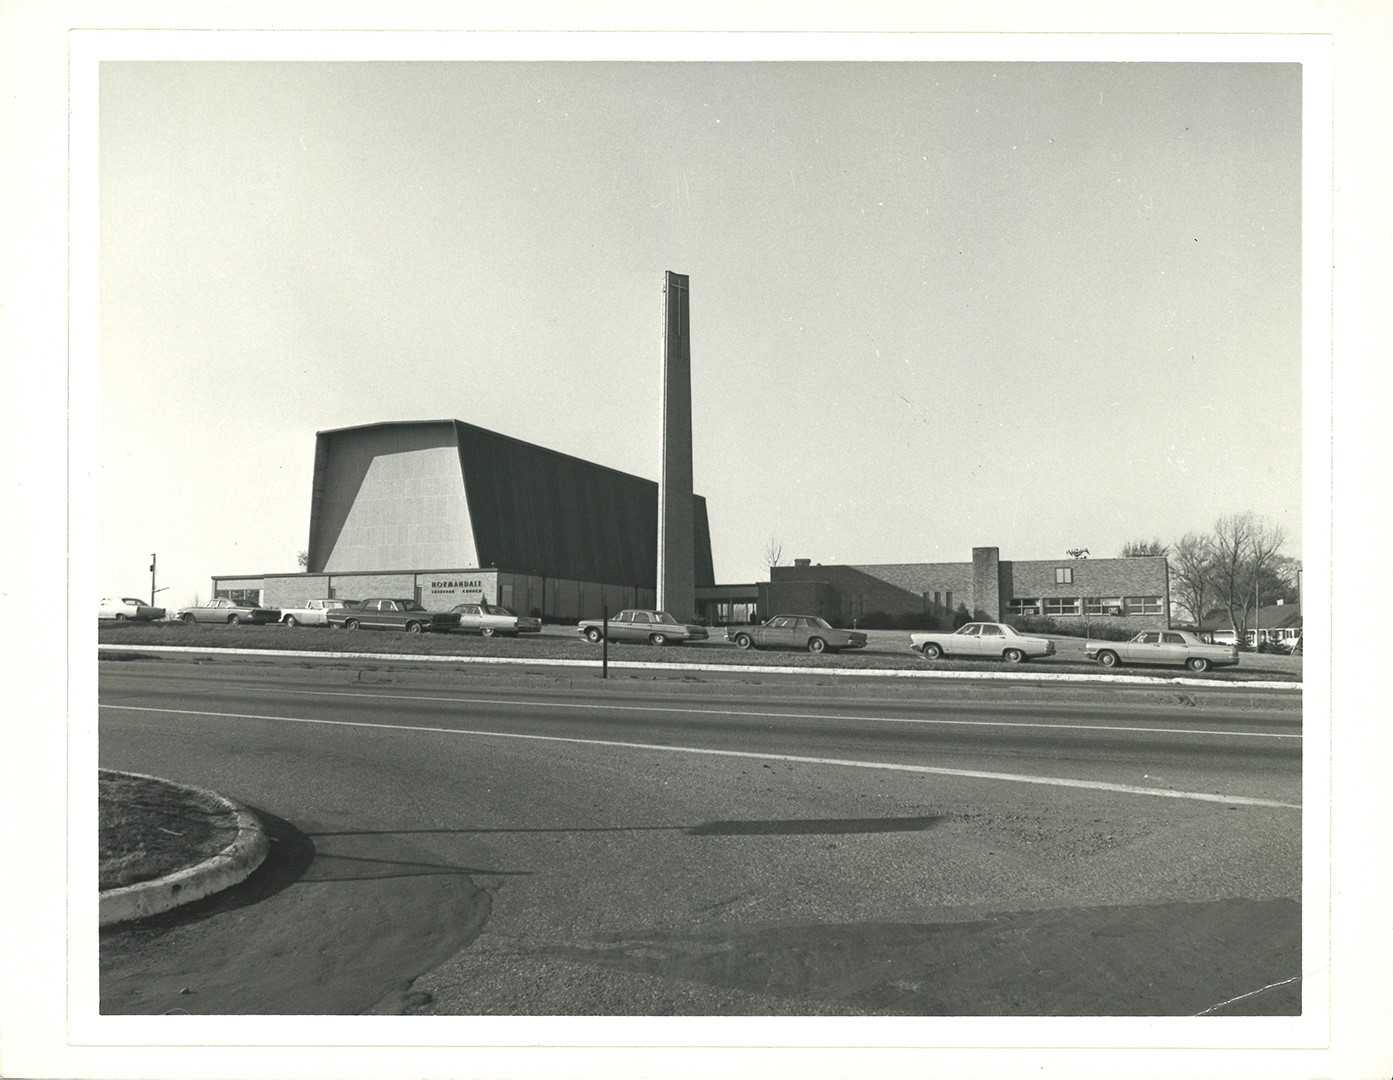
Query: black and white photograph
point(652, 553)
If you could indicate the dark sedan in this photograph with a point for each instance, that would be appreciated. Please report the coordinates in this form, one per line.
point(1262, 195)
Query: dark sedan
point(796, 632)
point(390, 613)
point(222, 610)
point(635, 624)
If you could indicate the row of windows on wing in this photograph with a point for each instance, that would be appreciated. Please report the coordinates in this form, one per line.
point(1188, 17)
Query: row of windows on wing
point(1088, 605)
point(239, 596)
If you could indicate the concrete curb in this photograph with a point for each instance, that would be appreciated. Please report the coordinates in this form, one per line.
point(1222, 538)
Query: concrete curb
point(1035, 676)
point(228, 867)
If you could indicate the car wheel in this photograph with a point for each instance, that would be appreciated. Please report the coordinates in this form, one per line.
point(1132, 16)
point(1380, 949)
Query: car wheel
point(1197, 664)
point(1013, 656)
point(413, 628)
point(234, 620)
point(487, 631)
point(120, 616)
point(350, 624)
point(187, 620)
point(657, 639)
point(742, 641)
point(932, 650)
point(292, 621)
point(816, 645)
point(592, 634)
point(1108, 658)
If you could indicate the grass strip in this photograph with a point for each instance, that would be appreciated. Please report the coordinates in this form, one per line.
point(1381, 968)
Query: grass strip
point(147, 828)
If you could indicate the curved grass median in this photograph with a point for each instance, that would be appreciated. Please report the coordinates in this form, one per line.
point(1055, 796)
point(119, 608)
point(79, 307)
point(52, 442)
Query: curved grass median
point(888, 650)
point(147, 828)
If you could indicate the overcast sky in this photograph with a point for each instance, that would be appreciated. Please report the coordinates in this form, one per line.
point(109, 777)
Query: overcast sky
point(934, 305)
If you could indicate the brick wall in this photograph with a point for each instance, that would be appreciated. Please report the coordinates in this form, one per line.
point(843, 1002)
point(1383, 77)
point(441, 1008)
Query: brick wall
point(293, 590)
point(985, 602)
point(803, 596)
point(893, 588)
point(985, 586)
point(1144, 576)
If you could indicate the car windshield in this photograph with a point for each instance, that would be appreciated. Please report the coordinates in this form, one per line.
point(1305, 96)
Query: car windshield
point(410, 605)
point(496, 610)
point(663, 617)
point(970, 629)
point(823, 623)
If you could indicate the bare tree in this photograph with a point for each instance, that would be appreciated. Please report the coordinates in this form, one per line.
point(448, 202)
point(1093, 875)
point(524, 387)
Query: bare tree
point(1279, 581)
point(1244, 546)
point(773, 552)
point(1264, 552)
point(1232, 535)
point(1192, 574)
point(1133, 548)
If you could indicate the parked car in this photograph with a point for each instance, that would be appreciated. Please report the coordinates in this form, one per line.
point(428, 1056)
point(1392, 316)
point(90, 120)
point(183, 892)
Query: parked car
point(490, 619)
point(222, 610)
point(314, 613)
point(982, 639)
point(1178, 647)
point(124, 607)
point(641, 624)
point(796, 632)
point(393, 613)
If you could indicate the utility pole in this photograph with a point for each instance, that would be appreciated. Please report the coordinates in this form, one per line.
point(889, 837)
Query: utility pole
point(152, 579)
point(1256, 620)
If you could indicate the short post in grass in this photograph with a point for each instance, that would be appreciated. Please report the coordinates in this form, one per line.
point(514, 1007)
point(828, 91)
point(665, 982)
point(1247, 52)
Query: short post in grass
point(604, 641)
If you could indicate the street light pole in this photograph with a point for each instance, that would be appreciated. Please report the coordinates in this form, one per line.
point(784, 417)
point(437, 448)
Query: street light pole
point(152, 579)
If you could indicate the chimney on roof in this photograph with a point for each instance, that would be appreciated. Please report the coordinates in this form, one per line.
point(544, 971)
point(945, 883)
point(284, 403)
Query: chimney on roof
point(802, 562)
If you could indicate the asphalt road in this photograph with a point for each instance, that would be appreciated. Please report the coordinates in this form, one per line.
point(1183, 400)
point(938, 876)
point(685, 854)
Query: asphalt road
point(458, 845)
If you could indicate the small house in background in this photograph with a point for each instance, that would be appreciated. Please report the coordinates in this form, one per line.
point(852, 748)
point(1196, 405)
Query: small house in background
point(1278, 624)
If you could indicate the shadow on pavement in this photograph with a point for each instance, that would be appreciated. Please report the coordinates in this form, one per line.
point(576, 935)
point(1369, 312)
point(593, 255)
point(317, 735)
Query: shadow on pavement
point(738, 827)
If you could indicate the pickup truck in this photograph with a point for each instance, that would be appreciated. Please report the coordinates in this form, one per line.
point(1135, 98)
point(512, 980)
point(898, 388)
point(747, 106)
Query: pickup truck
point(314, 613)
point(389, 614)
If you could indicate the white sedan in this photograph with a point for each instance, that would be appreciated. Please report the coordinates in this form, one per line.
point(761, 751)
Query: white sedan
point(122, 608)
point(978, 639)
point(1179, 647)
point(490, 619)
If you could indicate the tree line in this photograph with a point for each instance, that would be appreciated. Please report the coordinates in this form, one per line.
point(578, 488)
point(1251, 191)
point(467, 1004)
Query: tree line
point(1236, 568)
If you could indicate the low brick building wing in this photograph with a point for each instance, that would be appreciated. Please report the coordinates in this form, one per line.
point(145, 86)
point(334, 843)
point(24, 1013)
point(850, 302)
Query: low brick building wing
point(1130, 593)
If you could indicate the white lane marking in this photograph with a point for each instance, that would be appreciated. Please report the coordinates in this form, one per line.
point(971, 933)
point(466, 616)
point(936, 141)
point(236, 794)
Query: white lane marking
point(935, 770)
point(783, 715)
point(739, 669)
